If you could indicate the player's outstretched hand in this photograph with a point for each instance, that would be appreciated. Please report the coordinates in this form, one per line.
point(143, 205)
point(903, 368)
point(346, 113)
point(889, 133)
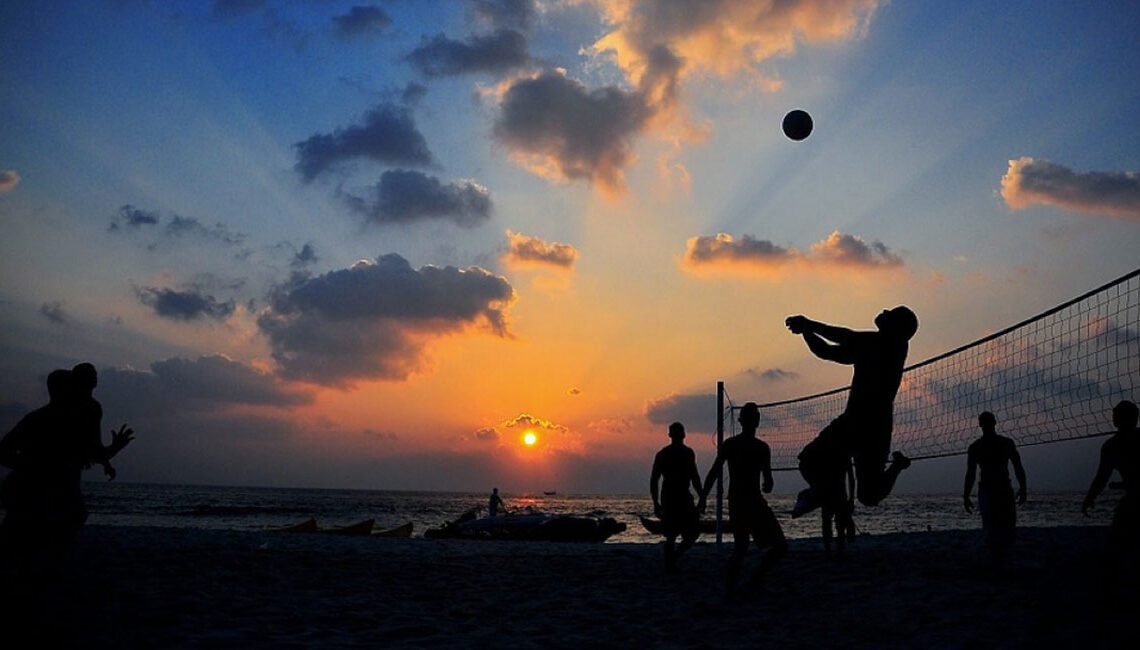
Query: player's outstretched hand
point(797, 324)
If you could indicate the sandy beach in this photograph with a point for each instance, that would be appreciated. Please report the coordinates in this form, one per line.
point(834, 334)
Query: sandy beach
point(131, 587)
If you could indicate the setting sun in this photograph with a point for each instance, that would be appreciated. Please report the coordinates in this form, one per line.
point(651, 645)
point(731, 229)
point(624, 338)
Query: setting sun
point(529, 438)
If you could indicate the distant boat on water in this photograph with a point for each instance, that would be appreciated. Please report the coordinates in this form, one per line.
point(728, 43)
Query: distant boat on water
point(549, 493)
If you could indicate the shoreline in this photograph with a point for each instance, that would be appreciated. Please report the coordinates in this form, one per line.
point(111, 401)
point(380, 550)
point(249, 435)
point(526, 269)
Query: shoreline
point(165, 587)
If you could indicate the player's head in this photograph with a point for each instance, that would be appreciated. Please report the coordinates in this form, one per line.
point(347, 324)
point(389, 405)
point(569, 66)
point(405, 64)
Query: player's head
point(899, 321)
point(749, 416)
point(85, 377)
point(987, 421)
point(1125, 415)
point(677, 431)
point(60, 385)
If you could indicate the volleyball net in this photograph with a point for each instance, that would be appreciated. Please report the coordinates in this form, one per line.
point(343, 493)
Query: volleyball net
point(1049, 378)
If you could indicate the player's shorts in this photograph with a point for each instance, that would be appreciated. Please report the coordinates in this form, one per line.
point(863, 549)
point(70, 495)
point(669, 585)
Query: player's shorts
point(754, 519)
point(679, 516)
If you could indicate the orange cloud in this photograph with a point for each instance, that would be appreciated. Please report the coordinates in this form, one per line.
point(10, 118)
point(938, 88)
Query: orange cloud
point(532, 251)
point(1029, 181)
point(754, 256)
point(9, 179)
point(724, 36)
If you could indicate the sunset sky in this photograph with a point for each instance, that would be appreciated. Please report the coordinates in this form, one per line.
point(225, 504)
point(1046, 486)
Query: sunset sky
point(372, 245)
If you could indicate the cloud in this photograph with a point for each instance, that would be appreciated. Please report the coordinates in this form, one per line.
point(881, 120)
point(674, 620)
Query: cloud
point(486, 434)
point(304, 257)
point(388, 135)
point(372, 320)
point(361, 20)
point(405, 196)
point(559, 129)
point(9, 179)
point(772, 374)
point(515, 14)
point(53, 311)
point(218, 378)
point(179, 226)
point(532, 251)
point(131, 217)
point(496, 53)
point(724, 36)
point(696, 412)
point(186, 305)
point(528, 421)
point(1029, 181)
point(747, 253)
point(849, 250)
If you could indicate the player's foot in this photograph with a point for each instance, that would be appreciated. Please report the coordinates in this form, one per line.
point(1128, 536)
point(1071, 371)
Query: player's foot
point(899, 460)
point(806, 501)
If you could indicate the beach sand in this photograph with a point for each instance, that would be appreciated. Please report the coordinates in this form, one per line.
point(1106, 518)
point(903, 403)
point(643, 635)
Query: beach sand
point(155, 587)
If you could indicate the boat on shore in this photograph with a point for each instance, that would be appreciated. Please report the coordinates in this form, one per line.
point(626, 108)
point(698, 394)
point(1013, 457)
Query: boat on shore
point(531, 527)
point(403, 531)
point(307, 526)
point(359, 529)
point(706, 526)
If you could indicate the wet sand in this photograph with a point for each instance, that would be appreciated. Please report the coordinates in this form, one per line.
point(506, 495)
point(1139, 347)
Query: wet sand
point(155, 587)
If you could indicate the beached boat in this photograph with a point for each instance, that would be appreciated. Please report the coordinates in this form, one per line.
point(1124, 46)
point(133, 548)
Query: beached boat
point(358, 529)
point(707, 526)
point(534, 527)
point(399, 531)
point(307, 526)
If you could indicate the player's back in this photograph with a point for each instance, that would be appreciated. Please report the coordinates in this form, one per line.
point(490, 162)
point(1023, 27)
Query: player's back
point(747, 458)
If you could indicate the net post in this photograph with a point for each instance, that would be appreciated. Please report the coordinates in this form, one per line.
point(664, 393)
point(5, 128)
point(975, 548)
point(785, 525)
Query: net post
point(720, 475)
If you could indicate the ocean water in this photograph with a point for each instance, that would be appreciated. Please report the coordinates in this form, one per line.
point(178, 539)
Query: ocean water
point(250, 508)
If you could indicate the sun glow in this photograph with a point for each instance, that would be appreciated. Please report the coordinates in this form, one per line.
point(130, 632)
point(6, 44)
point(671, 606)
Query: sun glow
point(529, 438)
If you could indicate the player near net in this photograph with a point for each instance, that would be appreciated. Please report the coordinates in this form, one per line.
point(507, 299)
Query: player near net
point(862, 433)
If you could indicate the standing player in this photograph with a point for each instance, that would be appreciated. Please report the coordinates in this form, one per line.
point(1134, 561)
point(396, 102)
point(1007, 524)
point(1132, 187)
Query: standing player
point(677, 465)
point(994, 454)
point(749, 460)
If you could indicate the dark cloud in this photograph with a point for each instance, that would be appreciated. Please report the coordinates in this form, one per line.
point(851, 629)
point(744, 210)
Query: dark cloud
point(486, 434)
point(9, 179)
point(387, 135)
point(413, 93)
point(131, 217)
point(184, 305)
point(304, 257)
point(220, 379)
point(557, 127)
point(405, 196)
point(180, 226)
point(514, 14)
point(696, 412)
point(524, 250)
point(53, 311)
point(361, 20)
point(494, 53)
point(1029, 181)
point(372, 320)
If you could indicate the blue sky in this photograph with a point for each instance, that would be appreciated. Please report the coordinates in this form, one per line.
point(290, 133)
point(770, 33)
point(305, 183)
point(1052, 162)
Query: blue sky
point(159, 204)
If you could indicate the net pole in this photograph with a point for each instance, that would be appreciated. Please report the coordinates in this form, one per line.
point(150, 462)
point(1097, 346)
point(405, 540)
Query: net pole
point(720, 475)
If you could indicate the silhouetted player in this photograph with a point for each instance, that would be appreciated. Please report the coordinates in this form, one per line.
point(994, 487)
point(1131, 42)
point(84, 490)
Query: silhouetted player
point(1121, 453)
point(749, 461)
point(675, 467)
point(993, 454)
point(840, 509)
point(863, 431)
point(494, 503)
